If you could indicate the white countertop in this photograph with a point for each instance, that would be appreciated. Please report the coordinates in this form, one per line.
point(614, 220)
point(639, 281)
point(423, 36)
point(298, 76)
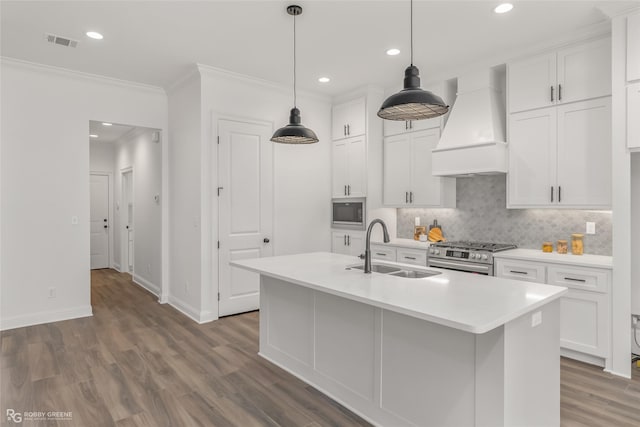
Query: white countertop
point(405, 243)
point(586, 260)
point(464, 301)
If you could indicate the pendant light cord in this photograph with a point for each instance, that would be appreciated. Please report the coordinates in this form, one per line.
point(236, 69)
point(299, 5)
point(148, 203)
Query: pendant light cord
point(294, 61)
point(411, 26)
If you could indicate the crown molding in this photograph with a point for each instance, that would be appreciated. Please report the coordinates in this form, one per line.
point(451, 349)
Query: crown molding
point(5, 60)
point(184, 79)
point(231, 75)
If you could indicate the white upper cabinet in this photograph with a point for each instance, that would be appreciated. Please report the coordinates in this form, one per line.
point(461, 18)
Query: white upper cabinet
point(572, 74)
point(349, 119)
point(584, 71)
point(349, 171)
point(531, 82)
point(561, 156)
point(633, 47)
point(633, 113)
point(407, 178)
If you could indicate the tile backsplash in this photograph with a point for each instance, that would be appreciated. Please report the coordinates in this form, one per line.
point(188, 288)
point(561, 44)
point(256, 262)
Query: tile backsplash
point(481, 215)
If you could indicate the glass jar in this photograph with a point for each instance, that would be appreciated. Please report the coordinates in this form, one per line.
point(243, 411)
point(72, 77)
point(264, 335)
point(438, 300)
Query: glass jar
point(547, 247)
point(577, 244)
point(562, 246)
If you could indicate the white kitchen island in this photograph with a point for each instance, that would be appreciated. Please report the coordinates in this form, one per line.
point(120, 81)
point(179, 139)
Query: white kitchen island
point(455, 349)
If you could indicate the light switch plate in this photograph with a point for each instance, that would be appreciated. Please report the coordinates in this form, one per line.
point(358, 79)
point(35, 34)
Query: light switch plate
point(591, 228)
point(536, 319)
point(74, 220)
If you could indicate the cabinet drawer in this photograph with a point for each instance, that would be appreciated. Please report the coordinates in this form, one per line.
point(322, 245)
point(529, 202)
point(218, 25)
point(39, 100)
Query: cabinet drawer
point(412, 256)
point(584, 322)
point(383, 252)
point(588, 279)
point(520, 270)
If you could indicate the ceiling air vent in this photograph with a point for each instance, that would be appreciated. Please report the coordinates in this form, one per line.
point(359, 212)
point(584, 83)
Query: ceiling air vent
point(62, 41)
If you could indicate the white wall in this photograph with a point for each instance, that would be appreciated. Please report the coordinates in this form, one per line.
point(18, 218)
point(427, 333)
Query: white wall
point(139, 152)
point(185, 189)
point(45, 168)
point(101, 156)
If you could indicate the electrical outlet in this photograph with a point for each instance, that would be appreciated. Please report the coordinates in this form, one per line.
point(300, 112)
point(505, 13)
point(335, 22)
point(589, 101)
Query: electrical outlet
point(74, 220)
point(52, 292)
point(536, 319)
point(591, 228)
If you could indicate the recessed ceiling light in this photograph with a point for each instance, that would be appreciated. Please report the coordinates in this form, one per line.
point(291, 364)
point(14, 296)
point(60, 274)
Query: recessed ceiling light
point(95, 35)
point(324, 79)
point(107, 124)
point(93, 136)
point(503, 8)
point(393, 52)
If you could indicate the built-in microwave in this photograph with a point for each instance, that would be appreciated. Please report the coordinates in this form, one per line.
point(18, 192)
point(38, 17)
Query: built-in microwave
point(348, 213)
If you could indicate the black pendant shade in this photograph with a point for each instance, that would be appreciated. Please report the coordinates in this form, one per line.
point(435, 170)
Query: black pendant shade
point(412, 102)
point(294, 132)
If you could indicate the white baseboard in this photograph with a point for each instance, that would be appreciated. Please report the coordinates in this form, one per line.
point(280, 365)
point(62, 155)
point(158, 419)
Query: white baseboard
point(145, 284)
point(192, 313)
point(44, 317)
point(116, 267)
point(582, 357)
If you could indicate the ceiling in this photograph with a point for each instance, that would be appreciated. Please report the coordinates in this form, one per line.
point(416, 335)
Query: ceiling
point(108, 133)
point(156, 42)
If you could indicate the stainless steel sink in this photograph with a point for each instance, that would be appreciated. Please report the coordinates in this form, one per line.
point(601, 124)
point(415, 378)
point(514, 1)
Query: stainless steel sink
point(378, 268)
point(414, 274)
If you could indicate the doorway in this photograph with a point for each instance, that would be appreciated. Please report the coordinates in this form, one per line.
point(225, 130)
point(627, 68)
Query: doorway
point(100, 220)
point(126, 221)
point(245, 204)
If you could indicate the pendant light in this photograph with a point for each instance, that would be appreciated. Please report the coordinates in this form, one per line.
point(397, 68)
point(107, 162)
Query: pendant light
point(294, 132)
point(412, 102)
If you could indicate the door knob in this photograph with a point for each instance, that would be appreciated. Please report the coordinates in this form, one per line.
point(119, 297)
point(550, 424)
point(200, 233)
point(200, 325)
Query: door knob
point(266, 240)
point(105, 220)
point(106, 226)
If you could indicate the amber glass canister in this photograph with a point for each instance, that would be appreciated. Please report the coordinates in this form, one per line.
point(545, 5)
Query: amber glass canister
point(562, 246)
point(577, 244)
point(547, 247)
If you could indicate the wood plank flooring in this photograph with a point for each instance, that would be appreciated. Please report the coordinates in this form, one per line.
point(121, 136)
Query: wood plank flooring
point(139, 363)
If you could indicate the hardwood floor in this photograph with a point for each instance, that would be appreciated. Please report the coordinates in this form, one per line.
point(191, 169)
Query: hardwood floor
point(139, 363)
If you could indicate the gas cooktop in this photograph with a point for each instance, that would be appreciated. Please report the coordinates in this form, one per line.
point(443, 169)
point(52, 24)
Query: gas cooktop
point(475, 246)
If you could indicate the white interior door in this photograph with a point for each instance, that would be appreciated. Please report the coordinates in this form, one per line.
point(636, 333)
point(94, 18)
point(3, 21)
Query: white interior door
point(126, 221)
point(99, 187)
point(245, 175)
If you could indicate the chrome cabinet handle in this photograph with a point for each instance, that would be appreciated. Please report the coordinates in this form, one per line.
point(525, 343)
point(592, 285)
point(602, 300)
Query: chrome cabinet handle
point(559, 92)
point(518, 272)
point(410, 124)
point(348, 240)
point(348, 190)
point(575, 280)
point(344, 130)
point(406, 197)
point(406, 125)
point(345, 190)
point(348, 130)
point(552, 94)
point(410, 257)
point(410, 196)
point(381, 254)
point(345, 239)
point(559, 194)
point(552, 194)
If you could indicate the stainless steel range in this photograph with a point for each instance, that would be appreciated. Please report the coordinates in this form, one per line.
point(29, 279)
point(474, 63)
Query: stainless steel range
point(472, 257)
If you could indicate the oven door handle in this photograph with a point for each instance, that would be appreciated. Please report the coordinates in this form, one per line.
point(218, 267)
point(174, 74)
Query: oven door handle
point(473, 268)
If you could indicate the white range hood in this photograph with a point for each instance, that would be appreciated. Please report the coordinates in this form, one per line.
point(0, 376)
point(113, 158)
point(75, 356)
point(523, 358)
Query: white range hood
point(473, 141)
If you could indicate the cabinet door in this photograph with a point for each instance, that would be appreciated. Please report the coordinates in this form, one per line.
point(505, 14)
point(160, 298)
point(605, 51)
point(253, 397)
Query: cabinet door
point(355, 243)
point(397, 170)
point(584, 154)
point(395, 127)
point(584, 71)
point(532, 158)
point(356, 167)
point(348, 119)
point(426, 189)
point(584, 322)
point(339, 168)
point(633, 47)
point(339, 243)
point(530, 83)
point(633, 113)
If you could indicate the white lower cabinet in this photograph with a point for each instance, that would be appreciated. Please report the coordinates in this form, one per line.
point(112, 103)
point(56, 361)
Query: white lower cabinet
point(383, 252)
point(348, 242)
point(584, 310)
point(412, 256)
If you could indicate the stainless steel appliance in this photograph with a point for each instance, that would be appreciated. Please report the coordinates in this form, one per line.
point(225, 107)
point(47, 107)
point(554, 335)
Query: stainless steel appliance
point(472, 257)
point(348, 213)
